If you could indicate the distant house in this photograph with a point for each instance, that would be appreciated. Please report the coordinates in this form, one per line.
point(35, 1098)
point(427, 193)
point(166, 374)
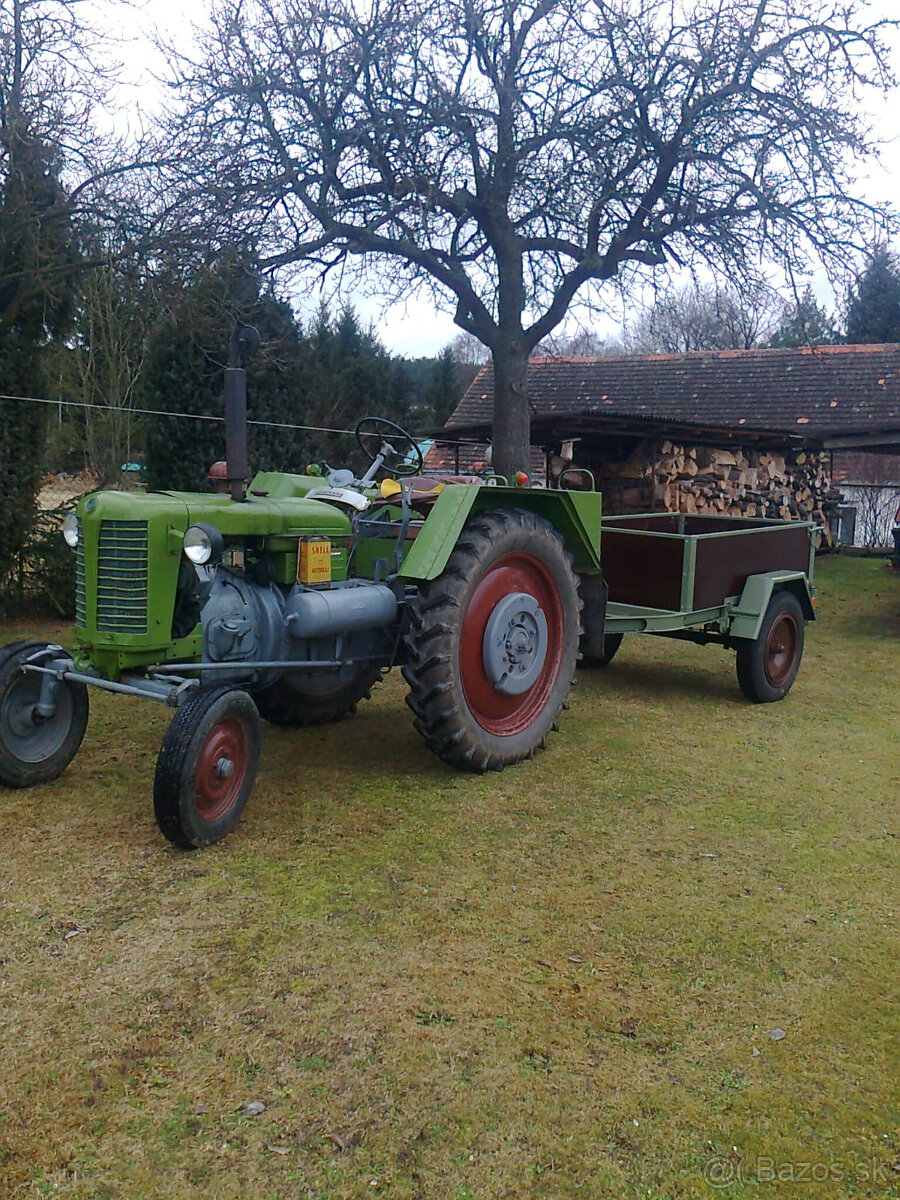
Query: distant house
point(870, 487)
point(744, 432)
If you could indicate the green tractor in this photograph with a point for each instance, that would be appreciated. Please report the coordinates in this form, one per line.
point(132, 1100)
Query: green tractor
point(288, 598)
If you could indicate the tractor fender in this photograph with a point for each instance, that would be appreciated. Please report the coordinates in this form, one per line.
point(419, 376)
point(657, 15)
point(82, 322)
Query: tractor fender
point(748, 612)
point(576, 515)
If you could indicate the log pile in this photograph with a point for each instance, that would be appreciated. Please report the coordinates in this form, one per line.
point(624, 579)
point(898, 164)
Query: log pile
point(670, 477)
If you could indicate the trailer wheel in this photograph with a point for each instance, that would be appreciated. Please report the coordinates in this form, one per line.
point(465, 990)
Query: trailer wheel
point(597, 648)
point(492, 642)
point(33, 750)
point(316, 697)
point(206, 767)
point(611, 644)
point(768, 666)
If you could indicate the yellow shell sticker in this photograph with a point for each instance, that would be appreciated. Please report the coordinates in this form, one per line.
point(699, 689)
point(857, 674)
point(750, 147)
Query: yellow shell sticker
point(314, 565)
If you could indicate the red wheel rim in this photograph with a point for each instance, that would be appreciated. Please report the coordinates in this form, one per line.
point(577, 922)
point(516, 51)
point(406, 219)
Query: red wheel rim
point(495, 712)
point(781, 649)
point(216, 788)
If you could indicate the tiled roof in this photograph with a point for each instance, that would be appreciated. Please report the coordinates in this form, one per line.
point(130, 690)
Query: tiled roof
point(821, 392)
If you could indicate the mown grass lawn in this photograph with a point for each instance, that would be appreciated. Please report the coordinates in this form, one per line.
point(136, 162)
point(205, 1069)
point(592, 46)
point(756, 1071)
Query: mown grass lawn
point(556, 981)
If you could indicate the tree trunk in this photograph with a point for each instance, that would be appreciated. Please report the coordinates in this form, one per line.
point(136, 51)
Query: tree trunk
point(512, 416)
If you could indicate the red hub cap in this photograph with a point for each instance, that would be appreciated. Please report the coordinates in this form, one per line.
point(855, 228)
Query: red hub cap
point(221, 767)
point(498, 713)
point(781, 649)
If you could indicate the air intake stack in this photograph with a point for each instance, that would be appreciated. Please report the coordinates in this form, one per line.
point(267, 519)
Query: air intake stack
point(244, 339)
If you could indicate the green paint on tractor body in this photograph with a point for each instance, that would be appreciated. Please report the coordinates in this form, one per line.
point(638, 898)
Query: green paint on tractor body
point(130, 556)
point(575, 514)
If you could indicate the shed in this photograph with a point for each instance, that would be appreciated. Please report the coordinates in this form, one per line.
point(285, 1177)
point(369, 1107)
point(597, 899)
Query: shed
point(743, 432)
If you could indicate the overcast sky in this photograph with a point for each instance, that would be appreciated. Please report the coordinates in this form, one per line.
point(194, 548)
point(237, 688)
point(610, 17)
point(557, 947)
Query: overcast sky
point(414, 329)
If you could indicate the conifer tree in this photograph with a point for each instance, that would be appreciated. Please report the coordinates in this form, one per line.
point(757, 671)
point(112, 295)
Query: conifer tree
point(183, 374)
point(873, 310)
point(37, 251)
point(804, 323)
point(444, 391)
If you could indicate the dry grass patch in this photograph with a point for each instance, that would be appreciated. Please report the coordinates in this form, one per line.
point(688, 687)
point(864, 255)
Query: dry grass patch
point(556, 981)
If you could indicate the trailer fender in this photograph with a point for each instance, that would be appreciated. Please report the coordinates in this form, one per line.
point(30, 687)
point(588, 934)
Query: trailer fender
point(747, 614)
point(576, 515)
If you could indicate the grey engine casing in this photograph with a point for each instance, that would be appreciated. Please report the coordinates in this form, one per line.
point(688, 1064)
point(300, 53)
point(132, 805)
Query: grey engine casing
point(246, 622)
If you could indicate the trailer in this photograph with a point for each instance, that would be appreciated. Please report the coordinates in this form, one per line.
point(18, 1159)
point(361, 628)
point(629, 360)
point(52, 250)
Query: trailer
point(742, 583)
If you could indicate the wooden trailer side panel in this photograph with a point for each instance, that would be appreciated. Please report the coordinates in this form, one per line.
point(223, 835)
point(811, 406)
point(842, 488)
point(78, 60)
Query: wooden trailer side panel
point(723, 563)
point(691, 564)
point(641, 569)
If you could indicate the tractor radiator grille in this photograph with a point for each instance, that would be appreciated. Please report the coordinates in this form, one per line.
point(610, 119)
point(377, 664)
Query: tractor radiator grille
point(80, 603)
point(122, 577)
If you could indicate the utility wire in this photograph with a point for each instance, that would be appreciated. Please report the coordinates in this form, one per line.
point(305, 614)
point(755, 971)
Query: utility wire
point(158, 412)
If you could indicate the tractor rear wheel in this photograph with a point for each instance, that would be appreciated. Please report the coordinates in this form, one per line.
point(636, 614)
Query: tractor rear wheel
point(492, 642)
point(34, 749)
point(316, 697)
point(768, 666)
point(206, 767)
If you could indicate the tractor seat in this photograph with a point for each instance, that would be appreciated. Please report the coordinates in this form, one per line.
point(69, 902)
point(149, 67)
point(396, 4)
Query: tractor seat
point(425, 489)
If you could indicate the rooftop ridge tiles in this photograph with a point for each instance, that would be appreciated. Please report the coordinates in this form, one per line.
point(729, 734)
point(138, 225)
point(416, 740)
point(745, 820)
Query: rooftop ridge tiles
point(753, 352)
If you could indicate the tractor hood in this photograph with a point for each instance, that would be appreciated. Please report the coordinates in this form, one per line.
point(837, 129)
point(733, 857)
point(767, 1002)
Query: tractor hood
point(263, 516)
point(129, 559)
point(256, 517)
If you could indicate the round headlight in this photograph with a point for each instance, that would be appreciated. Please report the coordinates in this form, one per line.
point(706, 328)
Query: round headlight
point(197, 545)
point(70, 530)
point(202, 544)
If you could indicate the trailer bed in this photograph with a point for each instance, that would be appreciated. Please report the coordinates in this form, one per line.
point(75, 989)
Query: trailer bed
point(669, 571)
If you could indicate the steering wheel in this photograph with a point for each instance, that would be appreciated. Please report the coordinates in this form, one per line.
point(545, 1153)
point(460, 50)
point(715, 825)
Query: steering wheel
point(382, 429)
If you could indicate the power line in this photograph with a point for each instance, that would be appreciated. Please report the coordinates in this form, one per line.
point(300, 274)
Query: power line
point(158, 412)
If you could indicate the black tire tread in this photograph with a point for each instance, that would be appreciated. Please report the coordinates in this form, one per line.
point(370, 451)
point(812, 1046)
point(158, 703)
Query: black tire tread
point(17, 774)
point(749, 658)
point(446, 726)
point(171, 761)
point(280, 703)
point(611, 644)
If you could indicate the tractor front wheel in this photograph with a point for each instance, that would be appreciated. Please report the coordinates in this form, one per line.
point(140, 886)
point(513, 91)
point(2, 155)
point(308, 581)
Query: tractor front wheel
point(33, 748)
point(768, 666)
point(206, 767)
point(493, 641)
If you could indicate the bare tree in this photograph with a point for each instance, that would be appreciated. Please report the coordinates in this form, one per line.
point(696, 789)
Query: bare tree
point(467, 350)
point(115, 319)
point(58, 75)
point(510, 153)
point(705, 317)
point(578, 343)
point(56, 71)
point(876, 505)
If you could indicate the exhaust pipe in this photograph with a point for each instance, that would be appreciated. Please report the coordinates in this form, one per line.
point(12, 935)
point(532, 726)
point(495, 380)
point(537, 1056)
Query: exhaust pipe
point(243, 338)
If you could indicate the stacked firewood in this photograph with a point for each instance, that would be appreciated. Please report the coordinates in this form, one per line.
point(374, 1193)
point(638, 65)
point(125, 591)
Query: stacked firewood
point(669, 477)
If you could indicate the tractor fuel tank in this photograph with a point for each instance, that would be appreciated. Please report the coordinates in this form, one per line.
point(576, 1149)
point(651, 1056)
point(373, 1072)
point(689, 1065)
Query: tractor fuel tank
point(311, 614)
